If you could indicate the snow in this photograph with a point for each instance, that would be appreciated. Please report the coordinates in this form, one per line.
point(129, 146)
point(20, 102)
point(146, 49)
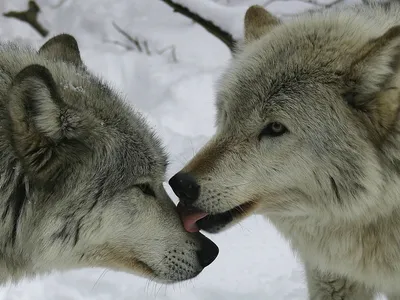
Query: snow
point(178, 99)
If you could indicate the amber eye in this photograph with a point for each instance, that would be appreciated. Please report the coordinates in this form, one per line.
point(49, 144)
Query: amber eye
point(146, 189)
point(273, 129)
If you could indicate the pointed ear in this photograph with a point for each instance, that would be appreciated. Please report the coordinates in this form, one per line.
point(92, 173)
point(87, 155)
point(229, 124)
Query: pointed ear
point(45, 133)
point(377, 62)
point(373, 81)
point(62, 47)
point(258, 22)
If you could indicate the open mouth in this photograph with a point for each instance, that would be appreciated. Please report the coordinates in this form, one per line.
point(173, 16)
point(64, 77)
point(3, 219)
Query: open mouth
point(194, 219)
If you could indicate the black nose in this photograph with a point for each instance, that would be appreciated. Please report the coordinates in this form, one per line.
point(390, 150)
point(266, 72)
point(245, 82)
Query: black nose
point(208, 252)
point(185, 187)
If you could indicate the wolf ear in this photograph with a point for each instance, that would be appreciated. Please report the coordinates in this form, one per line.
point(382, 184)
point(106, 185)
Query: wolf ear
point(374, 81)
point(258, 22)
point(62, 47)
point(42, 127)
point(376, 63)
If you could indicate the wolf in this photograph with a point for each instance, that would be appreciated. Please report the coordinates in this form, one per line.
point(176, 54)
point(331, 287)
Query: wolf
point(308, 135)
point(81, 175)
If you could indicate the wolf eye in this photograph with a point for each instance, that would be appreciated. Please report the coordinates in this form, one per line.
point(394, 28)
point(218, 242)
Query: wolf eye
point(273, 129)
point(146, 189)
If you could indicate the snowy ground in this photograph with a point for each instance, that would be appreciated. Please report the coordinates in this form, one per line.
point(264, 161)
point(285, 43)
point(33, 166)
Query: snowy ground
point(254, 262)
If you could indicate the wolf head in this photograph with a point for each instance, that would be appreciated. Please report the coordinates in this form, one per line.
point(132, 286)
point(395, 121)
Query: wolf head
point(306, 113)
point(82, 177)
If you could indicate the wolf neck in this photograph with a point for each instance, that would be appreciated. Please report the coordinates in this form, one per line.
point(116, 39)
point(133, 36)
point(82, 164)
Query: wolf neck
point(357, 245)
point(351, 249)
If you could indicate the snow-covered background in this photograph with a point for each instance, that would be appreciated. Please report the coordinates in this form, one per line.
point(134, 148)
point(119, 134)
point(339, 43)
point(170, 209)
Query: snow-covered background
point(255, 263)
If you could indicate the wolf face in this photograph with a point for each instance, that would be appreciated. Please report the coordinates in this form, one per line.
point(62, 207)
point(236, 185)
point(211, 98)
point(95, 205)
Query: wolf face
point(81, 175)
point(303, 113)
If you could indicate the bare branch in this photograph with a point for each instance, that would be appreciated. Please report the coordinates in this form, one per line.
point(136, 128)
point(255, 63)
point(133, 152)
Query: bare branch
point(29, 16)
point(141, 46)
point(134, 41)
point(313, 2)
point(318, 5)
point(146, 47)
point(127, 47)
point(58, 5)
point(172, 50)
point(173, 54)
point(216, 31)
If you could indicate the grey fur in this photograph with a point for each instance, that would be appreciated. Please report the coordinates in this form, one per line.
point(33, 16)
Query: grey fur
point(81, 174)
point(331, 184)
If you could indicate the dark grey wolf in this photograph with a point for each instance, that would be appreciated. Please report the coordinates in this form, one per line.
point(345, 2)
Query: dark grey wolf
point(308, 135)
point(81, 175)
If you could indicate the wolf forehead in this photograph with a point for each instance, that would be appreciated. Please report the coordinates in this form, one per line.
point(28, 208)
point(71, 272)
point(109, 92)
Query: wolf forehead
point(288, 64)
point(137, 147)
point(128, 131)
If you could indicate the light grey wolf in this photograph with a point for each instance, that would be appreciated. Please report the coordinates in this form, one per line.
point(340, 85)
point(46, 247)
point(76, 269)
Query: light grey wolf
point(81, 175)
point(308, 135)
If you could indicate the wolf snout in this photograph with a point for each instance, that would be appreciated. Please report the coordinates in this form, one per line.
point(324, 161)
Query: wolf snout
point(185, 187)
point(208, 251)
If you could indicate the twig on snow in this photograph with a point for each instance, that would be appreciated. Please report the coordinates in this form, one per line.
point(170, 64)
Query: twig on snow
point(134, 41)
point(316, 3)
point(127, 47)
point(58, 5)
point(173, 52)
point(141, 46)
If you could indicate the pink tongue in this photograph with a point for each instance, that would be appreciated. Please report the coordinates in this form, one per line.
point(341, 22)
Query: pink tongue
point(189, 217)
